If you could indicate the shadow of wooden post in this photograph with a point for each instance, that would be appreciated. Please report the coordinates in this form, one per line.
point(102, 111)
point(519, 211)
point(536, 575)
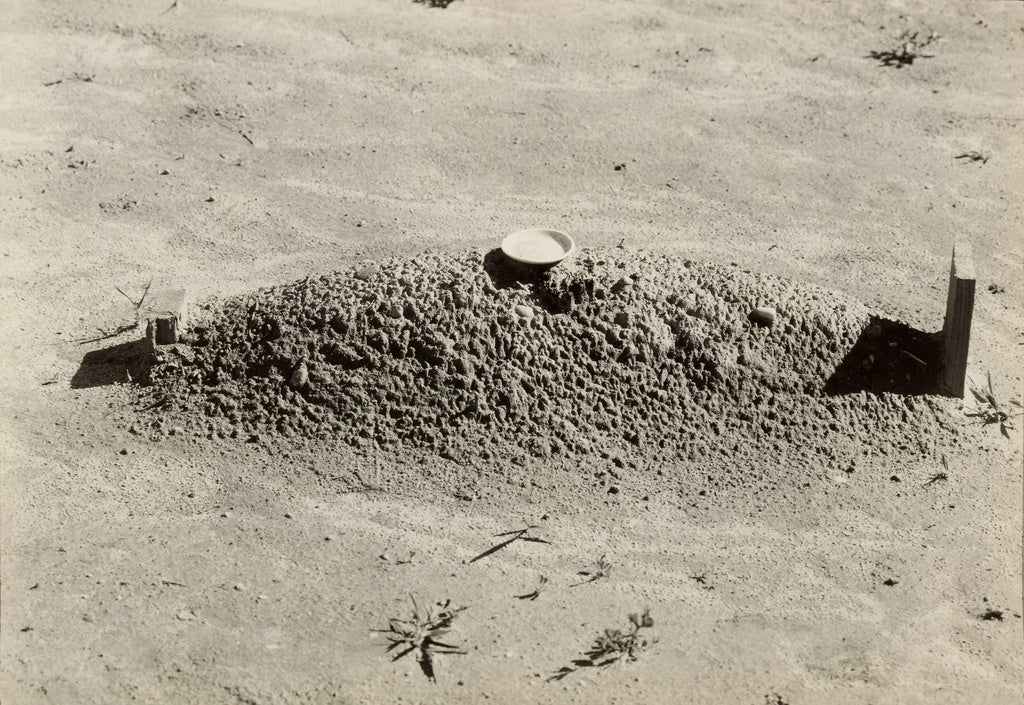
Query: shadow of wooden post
point(956, 331)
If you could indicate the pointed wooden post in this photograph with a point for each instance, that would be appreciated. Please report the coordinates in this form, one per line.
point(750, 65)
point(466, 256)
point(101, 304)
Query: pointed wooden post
point(956, 331)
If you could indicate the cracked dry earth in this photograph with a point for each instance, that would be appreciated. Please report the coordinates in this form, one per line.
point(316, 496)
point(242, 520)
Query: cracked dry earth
point(372, 404)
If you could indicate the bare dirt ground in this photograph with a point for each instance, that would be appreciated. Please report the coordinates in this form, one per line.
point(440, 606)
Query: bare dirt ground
point(232, 145)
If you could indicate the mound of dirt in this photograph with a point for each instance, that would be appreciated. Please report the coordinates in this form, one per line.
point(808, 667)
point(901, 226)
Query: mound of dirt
point(622, 356)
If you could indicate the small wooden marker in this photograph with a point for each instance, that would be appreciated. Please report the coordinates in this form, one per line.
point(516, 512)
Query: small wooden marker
point(956, 331)
point(166, 316)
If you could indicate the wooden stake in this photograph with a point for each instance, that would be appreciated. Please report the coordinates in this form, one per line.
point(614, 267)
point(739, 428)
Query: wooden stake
point(166, 316)
point(956, 331)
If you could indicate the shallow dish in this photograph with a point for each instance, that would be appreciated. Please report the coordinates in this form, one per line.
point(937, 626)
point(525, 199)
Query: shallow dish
point(538, 246)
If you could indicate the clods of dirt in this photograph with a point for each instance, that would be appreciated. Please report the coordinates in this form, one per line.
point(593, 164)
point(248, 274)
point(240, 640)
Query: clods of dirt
point(624, 356)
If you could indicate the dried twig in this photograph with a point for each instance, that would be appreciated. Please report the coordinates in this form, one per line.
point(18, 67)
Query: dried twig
point(939, 476)
point(516, 535)
point(913, 357)
point(107, 334)
point(83, 77)
point(136, 304)
point(973, 157)
point(172, 6)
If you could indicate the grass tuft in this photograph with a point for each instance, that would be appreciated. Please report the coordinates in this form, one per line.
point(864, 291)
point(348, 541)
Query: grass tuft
point(421, 634)
point(602, 570)
point(531, 596)
point(990, 411)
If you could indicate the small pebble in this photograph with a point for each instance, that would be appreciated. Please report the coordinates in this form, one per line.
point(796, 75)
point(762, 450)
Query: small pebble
point(524, 311)
point(763, 316)
point(300, 377)
point(365, 274)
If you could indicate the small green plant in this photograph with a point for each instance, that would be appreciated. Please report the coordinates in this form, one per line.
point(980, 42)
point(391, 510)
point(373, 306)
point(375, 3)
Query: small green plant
point(531, 596)
point(702, 580)
point(939, 476)
point(614, 646)
point(990, 411)
point(602, 570)
point(421, 634)
point(906, 51)
point(991, 615)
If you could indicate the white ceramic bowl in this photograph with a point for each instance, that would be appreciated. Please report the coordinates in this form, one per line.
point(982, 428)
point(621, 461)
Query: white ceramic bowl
point(538, 246)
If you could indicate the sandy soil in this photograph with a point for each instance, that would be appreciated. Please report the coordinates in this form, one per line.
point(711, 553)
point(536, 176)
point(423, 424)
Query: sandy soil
point(228, 146)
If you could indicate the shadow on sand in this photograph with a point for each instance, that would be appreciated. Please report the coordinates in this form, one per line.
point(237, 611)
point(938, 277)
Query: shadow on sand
point(124, 362)
point(890, 357)
point(506, 273)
